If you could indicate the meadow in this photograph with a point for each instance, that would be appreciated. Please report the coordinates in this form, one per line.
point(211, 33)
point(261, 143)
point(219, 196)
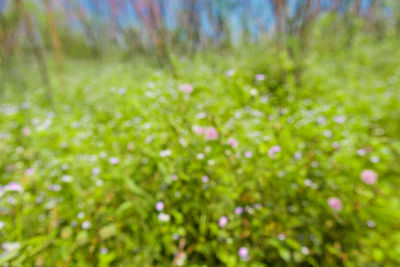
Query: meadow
point(231, 161)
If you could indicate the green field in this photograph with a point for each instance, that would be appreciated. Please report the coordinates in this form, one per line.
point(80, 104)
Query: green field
point(127, 167)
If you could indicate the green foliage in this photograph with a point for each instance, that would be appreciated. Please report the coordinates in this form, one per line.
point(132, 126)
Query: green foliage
point(101, 161)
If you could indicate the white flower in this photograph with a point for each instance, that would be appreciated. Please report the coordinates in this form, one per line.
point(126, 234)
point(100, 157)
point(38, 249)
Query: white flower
point(180, 259)
point(305, 250)
point(86, 225)
point(371, 223)
point(328, 133)
point(253, 92)
point(66, 178)
point(165, 153)
point(374, 159)
point(163, 217)
point(55, 187)
point(122, 90)
point(65, 166)
point(264, 99)
point(200, 156)
point(9, 246)
point(201, 115)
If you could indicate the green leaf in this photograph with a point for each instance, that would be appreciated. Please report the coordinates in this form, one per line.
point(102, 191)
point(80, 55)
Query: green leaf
point(123, 207)
point(285, 254)
point(108, 231)
point(135, 189)
point(82, 238)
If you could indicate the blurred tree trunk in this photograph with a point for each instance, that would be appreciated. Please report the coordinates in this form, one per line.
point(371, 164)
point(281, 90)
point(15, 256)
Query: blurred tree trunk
point(279, 7)
point(396, 15)
point(245, 18)
point(192, 24)
point(371, 10)
point(306, 14)
point(211, 18)
point(376, 20)
point(37, 50)
point(335, 5)
point(55, 40)
point(86, 25)
point(210, 14)
point(357, 7)
point(9, 30)
point(310, 12)
point(149, 13)
point(115, 26)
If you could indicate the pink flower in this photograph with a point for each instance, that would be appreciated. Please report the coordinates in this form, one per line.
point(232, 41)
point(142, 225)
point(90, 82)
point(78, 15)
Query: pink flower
point(308, 182)
point(230, 72)
point(14, 187)
point(239, 210)
point(95, 170)
point(186, 88)
point(205, 179)
point(281, 236)
point(273, 150)
point(114, 160)
point(130, 146)
point(30, 171)
point(199, 130)
point(260, 77)
point(26, 131)
point(340, 119)
point(298, 155)
point(233, 142)
point(248, 154)
point(223, 221)
point(243, 253)
point(362, 152)
point(55, 187)
point(10, 168)
point(159, 205)
point(211, 133)
point(335, 203)
point(335, 145)
point(369, 176)
point(321, 120)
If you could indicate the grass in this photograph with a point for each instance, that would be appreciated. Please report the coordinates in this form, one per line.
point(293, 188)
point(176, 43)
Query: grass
point(121, 138)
